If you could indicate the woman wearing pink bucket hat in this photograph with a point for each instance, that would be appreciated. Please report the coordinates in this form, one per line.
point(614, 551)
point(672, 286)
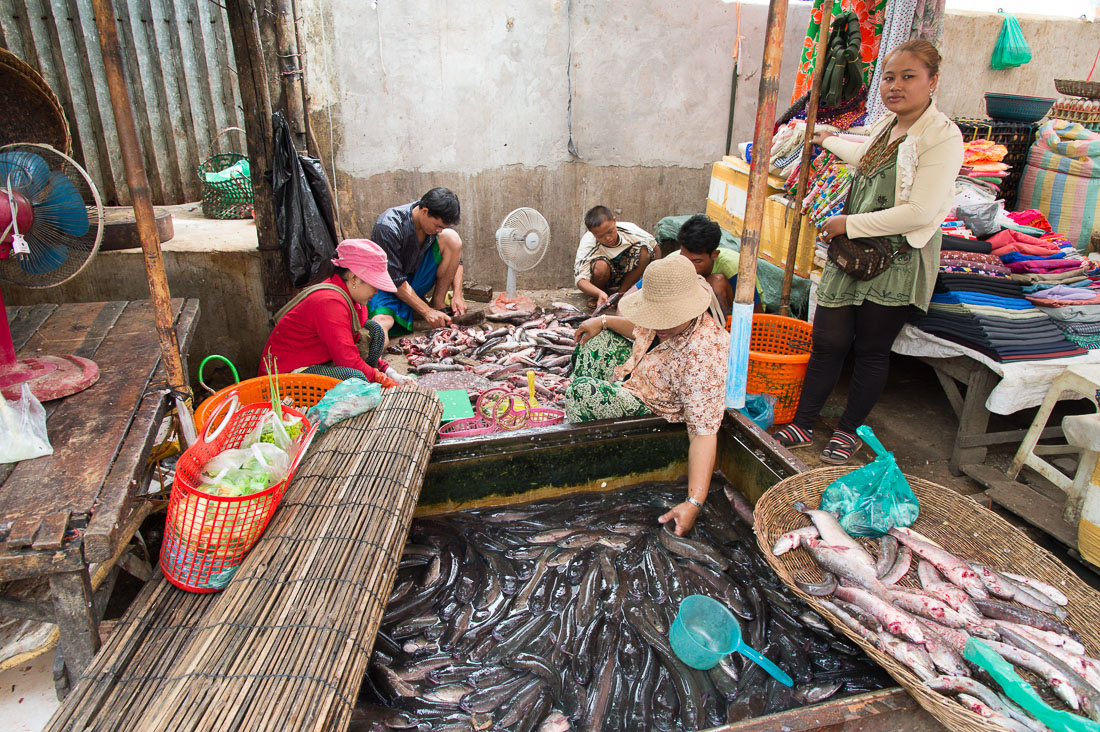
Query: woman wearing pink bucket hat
point(321, 330)
point(675, 368)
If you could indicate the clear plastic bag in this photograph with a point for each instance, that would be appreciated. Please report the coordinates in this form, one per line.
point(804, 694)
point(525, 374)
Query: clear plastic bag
point(244, 471)
point(760, 408)
point(980, 216)
point(875, 498)
point(23, 428)
point(275, 430)
point(1011, 49)
point(347, 399)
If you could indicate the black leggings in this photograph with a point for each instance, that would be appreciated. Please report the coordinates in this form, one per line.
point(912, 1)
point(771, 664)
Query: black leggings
point(869, 329)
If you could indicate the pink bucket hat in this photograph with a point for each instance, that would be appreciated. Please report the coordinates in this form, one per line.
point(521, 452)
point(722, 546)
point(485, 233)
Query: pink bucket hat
point(367, 261)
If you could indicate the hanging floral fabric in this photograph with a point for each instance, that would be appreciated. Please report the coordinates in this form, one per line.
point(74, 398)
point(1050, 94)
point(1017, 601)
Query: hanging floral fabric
point(928, 21)
point(871, 14)
point(895, 31)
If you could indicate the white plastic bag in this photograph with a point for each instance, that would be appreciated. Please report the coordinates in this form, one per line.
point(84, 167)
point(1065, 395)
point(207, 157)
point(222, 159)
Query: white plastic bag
point(23, 429)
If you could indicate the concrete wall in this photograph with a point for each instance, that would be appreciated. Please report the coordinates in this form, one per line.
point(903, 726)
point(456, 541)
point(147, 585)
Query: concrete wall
point(1060, 48)
point(479, 101)
point(487, 102)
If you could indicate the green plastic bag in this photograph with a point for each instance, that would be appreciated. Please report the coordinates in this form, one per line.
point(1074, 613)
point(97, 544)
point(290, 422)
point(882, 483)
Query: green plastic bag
point(1011, 49)
point(349, 398)
point(875, 498)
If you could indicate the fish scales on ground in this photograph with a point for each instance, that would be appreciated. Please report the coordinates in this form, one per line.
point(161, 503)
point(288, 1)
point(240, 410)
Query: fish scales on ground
point(555, 615)
point(498, 352)
point(926, 627)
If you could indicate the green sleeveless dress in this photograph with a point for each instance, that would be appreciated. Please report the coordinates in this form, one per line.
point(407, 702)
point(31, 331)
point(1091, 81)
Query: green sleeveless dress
point(906, 281)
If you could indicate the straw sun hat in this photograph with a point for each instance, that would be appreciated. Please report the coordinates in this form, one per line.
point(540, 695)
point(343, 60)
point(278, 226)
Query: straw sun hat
point(671, 295)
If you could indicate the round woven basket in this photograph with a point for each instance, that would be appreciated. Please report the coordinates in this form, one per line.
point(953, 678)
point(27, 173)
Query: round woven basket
point(1071, 88)
point(31, 110)
point(959, 525)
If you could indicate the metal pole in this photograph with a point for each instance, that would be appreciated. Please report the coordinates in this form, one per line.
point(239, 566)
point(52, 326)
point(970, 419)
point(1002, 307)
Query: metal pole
point(741, 322)
point(807, 146)
point(138, 184)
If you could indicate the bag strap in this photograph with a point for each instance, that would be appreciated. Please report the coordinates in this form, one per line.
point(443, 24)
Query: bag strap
point(356, 329)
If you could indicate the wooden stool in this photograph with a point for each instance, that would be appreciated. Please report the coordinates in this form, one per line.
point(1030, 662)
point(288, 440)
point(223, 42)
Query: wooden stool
point(1082, 437)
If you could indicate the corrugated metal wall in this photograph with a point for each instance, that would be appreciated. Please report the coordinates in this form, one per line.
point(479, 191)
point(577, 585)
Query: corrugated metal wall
point(179, 66)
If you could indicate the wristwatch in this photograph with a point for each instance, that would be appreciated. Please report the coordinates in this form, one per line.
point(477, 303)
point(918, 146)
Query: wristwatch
point(603, 322)
point(695, 503)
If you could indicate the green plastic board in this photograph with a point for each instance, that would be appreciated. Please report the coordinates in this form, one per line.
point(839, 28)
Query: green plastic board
point(456, 404)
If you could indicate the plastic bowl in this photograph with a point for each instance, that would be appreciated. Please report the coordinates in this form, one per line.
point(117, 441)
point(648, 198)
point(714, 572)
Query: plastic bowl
point(1016, 107)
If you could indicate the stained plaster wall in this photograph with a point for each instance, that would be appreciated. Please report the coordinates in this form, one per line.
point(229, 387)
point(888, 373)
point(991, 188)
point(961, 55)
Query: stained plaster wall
point(477, 97)
point(1061, 49)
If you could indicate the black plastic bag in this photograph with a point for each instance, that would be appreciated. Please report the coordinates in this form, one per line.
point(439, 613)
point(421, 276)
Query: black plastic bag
point(303, 209)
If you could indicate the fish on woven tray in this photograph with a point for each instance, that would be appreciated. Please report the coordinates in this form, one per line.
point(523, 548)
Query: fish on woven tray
point(926, 630)
point(503, 351)
point(557, 613)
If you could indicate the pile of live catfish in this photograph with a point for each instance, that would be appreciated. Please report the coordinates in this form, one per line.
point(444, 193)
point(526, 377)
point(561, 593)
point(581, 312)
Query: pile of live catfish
point(554, 615)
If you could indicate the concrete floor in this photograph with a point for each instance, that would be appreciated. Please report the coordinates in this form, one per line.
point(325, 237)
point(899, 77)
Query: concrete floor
point(912, 419)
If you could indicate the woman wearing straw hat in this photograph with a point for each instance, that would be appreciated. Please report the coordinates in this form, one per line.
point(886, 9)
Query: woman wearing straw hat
point(675, 368)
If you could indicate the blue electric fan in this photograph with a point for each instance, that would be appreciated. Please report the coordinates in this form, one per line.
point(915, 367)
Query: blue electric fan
point(51, 224)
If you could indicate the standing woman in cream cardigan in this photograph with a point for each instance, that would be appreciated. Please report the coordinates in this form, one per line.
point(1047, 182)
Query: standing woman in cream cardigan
point(902, 188)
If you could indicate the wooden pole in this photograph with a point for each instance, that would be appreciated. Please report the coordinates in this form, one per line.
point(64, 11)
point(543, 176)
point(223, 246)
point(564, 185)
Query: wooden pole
point(244, 29)
point(807, 146)
point(741, 322)
point(138, 183)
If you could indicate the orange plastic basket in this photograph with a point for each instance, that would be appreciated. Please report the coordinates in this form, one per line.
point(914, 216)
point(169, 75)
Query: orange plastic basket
point(305, 389)
point(779, 350)
point(206, 537)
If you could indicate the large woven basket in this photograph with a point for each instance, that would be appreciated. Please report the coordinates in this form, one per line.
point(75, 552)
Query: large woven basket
point(957, 523)
point(32, 112)
point(1072, 88)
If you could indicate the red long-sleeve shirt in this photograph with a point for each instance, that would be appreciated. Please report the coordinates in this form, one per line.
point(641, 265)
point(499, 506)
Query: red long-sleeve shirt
point(316, 331)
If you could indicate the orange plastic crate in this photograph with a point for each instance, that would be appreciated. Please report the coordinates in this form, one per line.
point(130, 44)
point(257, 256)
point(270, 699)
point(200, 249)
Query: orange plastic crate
point(779, 350)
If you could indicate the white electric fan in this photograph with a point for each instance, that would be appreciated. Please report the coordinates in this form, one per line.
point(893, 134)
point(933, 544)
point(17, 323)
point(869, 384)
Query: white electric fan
point(522, 241)
point(51, 224)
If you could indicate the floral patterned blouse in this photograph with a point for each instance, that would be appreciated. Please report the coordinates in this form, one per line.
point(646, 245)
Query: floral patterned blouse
point(682, 379)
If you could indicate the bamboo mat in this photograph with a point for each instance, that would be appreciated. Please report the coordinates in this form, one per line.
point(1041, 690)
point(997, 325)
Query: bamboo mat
point(285, 646)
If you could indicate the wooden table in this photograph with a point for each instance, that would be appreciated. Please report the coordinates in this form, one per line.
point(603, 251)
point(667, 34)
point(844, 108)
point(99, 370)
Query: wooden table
point(61, 513)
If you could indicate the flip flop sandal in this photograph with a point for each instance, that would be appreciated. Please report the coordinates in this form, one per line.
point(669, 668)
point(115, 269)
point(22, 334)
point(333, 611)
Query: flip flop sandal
point(793, 437)
point(840, 448)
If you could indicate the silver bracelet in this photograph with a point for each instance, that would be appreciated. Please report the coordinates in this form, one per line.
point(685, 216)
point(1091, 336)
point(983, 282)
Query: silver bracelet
point(695, 503)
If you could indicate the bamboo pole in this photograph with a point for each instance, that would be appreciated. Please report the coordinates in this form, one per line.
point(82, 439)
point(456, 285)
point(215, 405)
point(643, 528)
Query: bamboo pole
point(807, 147)
point(244, 29)
point(741, 322)
point(138, 184)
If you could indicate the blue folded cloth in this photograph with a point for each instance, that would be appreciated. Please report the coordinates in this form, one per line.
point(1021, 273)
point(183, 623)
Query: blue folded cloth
point(1017, 257)
point(979, 298)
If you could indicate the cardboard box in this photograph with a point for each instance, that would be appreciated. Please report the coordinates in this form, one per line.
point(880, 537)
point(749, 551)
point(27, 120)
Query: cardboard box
point(726, 202)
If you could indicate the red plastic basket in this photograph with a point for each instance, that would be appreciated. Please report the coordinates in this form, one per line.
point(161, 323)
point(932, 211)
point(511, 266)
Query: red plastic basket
point(206, 537)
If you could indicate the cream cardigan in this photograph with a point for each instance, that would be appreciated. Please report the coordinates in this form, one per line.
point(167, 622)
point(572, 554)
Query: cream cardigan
point(928, 161)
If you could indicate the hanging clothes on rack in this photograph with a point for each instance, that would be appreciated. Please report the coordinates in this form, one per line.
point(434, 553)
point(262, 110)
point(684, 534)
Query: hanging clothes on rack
point(871, 15)
point(928, 21)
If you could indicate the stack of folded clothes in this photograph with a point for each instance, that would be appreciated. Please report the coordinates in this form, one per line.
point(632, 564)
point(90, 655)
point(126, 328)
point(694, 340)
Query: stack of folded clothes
point(1074, 310)
point(978, 304)
point(1046, 259)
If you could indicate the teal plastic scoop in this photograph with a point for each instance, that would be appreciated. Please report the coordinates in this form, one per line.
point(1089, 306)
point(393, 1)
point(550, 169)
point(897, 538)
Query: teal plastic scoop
point(705, 631)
